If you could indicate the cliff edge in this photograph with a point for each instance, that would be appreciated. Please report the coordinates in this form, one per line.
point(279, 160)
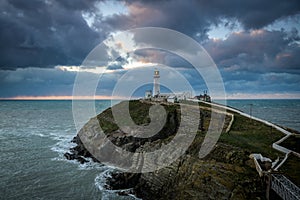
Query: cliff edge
point(226, 172)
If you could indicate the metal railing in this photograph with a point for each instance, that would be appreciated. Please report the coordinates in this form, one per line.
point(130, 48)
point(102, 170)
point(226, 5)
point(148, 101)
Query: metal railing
point(286, 189)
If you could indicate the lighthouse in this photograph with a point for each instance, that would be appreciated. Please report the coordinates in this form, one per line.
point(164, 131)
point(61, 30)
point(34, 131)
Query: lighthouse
point(156, 88)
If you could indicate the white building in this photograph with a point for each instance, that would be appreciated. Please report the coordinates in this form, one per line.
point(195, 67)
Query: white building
point(169, 97)
point(175, 97)
point(156, 86)
point(148, 94)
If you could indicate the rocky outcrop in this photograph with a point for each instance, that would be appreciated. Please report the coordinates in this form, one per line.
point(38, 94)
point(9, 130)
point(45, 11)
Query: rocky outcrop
point(79, 152)
point(226, 173)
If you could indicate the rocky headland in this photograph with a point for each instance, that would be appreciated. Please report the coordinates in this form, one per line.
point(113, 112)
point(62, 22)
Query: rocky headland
point(226, 172)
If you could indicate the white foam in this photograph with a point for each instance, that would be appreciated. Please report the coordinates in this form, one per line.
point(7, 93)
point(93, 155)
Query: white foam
point(90, 165)
point(64, 145)
point(100, 183)
point(75, 162)
point(41, 135)
point(100, 180)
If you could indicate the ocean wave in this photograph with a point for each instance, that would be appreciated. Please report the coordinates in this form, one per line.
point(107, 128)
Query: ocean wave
point(100, 183)
point(90, 165)
point(64, 145)
point(100, 180)
point(41, 135)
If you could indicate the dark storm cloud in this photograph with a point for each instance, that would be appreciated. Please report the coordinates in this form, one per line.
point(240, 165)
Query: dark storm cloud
point(195, 17)
point(263, 83)
point(258, 61)
point(78, 4)
point(117, 64)
point(44, 33)
point(36, 82)
point(183, 16)
point(253, 14)
point(47, 33)
point(48, 82)
point(258, 50)
point(161, 57)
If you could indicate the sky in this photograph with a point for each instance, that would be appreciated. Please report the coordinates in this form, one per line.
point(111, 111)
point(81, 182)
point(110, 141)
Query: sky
point(255, 45)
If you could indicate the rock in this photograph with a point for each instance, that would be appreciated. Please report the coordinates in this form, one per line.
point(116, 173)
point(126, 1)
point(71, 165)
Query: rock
point(82, 160)
point(120, 180)
point(125, 192)
point(69, 156)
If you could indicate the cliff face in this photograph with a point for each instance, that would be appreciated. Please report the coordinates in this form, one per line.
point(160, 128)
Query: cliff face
point(226, 173)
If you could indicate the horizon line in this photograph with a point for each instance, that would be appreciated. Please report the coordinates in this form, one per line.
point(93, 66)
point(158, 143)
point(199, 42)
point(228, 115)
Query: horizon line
point(104, 97)
point(97, 97)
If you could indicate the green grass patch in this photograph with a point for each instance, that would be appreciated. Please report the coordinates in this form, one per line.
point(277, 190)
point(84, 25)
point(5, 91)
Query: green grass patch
point(292, 143)
point(291, 169)
point(245, 133)
point(139, 113)
point(253, 136)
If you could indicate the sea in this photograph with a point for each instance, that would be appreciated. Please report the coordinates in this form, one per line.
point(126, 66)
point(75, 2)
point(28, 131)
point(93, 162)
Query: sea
point(34, 135)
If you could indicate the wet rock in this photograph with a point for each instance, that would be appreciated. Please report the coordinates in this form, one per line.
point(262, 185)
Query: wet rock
point(82, 160)
point(69, 156)
point(120, 180)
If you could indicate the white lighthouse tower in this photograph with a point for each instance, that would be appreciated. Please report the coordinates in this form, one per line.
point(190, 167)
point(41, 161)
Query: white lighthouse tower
point(156, 87)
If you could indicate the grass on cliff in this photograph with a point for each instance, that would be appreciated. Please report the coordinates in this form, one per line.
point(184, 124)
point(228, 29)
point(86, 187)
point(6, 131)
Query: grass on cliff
point(139, 112)
point(253, 136)
point(291, 169)
point(245, 133)
point(291, 166)
point(250, 135)
point(292, 142)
